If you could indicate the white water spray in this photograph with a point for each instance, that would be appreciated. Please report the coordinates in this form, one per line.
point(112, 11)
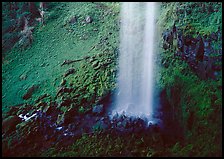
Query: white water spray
point(135, 80)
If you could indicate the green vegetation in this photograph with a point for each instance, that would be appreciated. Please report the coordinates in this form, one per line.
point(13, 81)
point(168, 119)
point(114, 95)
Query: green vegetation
point(96, 45)
point(58, 41)
point(192, 17)
point(201, 101)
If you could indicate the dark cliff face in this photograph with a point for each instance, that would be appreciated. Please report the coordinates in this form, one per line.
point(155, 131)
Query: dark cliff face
point(191, 63)
point(16, 17)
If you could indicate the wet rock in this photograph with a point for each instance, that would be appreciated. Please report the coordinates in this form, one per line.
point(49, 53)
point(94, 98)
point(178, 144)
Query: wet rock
point(141, 123)
point(124, 123)
point(88, 19)
point(30, 92)
point(69, 71)
point(28, 115)
point(98, 109)
point(100, 125)
point(119, 127)
point(9, 124)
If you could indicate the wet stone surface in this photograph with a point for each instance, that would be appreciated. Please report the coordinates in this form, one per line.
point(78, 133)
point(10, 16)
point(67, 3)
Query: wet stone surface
point(197, 52)
point(46, 125)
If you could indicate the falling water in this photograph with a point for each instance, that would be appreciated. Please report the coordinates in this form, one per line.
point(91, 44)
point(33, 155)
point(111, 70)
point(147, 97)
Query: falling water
point(135, 76)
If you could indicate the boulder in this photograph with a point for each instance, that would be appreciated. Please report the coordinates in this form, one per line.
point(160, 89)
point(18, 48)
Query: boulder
point(88, 19)
point(100, 125)
point(124, 123)
point(98, 109)
point(119, 124)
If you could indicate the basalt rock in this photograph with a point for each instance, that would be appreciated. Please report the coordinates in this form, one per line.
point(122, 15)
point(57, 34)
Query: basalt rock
point(195, 51)
point(100, 125)
point(98, 109)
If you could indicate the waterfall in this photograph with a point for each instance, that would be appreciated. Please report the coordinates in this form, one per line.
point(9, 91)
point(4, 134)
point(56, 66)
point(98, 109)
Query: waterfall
point(135, 75)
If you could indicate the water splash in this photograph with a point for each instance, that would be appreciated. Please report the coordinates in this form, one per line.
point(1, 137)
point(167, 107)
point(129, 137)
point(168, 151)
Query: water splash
point(135, 80)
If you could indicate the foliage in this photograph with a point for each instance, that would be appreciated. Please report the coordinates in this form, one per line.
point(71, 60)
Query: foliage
point(106, 144)
point(200, 100)
point(191, 14)
point(95, 77)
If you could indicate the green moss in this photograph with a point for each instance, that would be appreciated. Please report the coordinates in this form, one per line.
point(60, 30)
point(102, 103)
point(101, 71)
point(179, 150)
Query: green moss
point(58, 41)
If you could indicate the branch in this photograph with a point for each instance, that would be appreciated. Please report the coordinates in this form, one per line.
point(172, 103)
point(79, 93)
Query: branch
point(66, 62)
point(71, 61)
